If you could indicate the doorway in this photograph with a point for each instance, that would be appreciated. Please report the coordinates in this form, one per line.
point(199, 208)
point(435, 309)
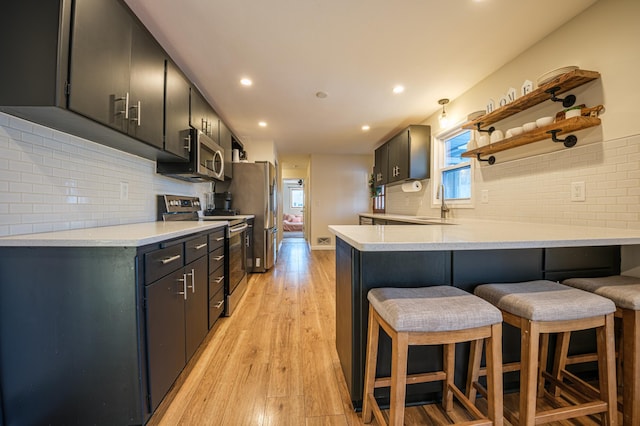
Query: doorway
point(293, 205)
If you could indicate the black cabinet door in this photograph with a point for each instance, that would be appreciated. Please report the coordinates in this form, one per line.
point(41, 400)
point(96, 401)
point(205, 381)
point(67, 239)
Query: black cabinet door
point(197, 305)
point(226, 142)
point(146, 88)
point(380, 171)
point(99, 63)
point(165, 333)
point(176, 111)
point(203, 117)
point(399, 157)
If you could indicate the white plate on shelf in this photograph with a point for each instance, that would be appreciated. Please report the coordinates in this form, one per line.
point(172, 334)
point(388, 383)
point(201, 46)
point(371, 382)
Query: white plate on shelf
point(550, 75)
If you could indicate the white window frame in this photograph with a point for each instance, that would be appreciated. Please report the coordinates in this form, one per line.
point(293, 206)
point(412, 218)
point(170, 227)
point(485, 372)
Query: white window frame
point(291, 190)
point(438, 167)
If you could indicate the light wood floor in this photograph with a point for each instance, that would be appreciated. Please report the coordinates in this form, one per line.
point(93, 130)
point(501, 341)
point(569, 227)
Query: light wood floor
point(274, 361)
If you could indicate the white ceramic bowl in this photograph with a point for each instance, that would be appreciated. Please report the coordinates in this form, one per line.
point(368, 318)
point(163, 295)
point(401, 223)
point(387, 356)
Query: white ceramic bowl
point(529, 126)
point(573, 113)
point(544, 121)
point(517, 131)
point(508, 133)
point(496, 136)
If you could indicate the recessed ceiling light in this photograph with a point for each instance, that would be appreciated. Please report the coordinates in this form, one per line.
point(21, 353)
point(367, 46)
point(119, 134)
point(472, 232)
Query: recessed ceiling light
point(246, 82)
point(365, 127)
point(262, 124)
point(321, 94)
point(398, 89)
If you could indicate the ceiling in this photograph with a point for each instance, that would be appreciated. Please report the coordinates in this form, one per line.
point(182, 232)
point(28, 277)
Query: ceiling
point(355, 51)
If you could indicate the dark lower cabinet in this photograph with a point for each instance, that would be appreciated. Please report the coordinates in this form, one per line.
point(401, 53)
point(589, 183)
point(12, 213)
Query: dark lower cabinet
point(196, 306)
point(97, 335)
point(165, 334)
point(177, 322)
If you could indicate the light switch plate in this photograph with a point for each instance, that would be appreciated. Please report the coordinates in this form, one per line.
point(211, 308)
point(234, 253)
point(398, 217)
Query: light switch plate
point(484, 196)
point(577, 191)
point(124, 190)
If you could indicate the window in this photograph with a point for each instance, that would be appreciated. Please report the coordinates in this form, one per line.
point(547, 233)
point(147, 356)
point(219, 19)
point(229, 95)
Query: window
point(297, 198)
point(456, 170)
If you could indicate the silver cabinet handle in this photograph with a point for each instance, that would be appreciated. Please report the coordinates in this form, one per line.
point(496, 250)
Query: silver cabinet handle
point(219, 304)
point(220, 239)
point(219, 279)
point(218, 258)
point(200, 246)
point(193, 281)
point(184, 286)
point(203, 125)
point(170, 259)
point(138, 109)
point(188, 145)
point(125, 111)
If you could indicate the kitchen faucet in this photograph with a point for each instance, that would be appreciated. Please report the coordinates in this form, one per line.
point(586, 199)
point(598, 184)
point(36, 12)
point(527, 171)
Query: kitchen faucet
point(444, 209)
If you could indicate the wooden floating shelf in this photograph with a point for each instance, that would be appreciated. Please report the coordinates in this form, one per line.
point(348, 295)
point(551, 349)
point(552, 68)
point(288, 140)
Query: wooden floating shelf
point(565, 82)
point(564, 126)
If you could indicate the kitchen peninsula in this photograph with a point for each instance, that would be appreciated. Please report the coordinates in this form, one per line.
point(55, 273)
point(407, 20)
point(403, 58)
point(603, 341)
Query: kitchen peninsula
point(463, 253)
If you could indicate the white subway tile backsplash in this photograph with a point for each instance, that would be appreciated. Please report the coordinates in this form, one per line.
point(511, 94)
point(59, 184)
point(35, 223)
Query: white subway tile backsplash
point(538, 188)
point(52, 181)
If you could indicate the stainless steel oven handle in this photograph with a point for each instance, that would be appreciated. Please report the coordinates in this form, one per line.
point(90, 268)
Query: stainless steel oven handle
point(238, 228)
point(170, 259)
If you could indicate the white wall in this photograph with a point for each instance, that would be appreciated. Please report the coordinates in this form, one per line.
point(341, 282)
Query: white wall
point(528, 185)
point(338, 190)
point(261, 151)
point(52, 181)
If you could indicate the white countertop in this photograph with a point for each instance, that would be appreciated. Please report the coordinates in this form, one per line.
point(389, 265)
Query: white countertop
point(420, 220)
point(469, 234)
point(131, 235)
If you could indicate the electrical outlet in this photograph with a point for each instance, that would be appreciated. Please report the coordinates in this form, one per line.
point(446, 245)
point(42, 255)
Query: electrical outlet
point(484, 196)
point(124, 190)
point(577, 191)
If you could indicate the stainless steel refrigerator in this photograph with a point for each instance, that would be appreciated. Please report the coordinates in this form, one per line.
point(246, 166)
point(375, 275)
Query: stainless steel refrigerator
point(254, 190)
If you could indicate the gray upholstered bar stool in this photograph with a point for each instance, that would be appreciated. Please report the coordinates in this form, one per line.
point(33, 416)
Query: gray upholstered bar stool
point(624, 291)
point(440, 315)
point(538, 308)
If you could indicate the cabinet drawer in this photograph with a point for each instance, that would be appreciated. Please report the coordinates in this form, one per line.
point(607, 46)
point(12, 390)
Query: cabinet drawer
point(216, 239)
point(216, 307)
point(195, 248)
point(161, 262)
point(216, 259)
point(216, 281)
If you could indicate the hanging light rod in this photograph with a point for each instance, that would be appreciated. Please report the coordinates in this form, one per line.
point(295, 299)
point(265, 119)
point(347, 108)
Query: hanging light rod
point(442, 118)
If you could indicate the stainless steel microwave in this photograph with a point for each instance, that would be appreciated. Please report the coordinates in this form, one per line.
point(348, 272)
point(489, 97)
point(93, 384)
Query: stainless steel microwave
point(206, 160)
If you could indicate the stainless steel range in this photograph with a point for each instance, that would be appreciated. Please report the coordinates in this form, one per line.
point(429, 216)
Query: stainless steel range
point(179, 207)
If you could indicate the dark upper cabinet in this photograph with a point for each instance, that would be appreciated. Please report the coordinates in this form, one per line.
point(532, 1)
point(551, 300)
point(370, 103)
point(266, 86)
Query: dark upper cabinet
point(100, 62)
point(203, 117)
point(381, 165)
point(408, 154)
point(146, 88)
point(117, 80)
point(88, 68)
point(226, 142)
point(176, 111)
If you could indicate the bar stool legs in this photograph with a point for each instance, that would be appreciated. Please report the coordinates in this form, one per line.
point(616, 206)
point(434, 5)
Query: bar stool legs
point(429, 328)
point(540, 308)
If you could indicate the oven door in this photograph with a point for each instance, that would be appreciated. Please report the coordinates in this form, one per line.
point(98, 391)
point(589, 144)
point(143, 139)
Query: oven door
point(237, 255)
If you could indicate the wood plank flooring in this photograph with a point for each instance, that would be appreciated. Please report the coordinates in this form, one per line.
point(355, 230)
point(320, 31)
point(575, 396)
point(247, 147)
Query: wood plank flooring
point(274, 361)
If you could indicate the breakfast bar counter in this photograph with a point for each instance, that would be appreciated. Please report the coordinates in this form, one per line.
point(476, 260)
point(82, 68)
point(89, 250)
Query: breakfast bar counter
point(462, 253)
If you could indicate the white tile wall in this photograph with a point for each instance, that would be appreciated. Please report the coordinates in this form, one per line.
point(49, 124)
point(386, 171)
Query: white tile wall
point(537, 189)
point(51, 181)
